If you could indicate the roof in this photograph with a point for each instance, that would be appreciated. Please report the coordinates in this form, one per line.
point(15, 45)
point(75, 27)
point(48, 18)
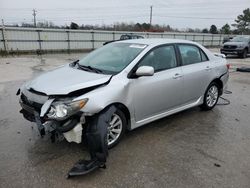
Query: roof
point(156, 41)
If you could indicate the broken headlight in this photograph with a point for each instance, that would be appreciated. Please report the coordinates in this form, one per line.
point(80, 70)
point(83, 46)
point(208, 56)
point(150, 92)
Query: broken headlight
point(60, 110)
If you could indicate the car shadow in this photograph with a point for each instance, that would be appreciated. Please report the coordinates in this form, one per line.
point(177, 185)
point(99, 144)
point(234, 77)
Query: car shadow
point(171, 124)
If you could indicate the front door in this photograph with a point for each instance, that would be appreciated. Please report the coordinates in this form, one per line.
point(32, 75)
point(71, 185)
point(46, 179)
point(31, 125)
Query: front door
point(162, 91)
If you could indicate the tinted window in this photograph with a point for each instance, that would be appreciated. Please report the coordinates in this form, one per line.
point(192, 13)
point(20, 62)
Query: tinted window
point(190, 54)
point(160, 58)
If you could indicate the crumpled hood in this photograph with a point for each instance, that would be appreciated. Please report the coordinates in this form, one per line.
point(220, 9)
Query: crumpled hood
point(64, 80)
point(234, 43)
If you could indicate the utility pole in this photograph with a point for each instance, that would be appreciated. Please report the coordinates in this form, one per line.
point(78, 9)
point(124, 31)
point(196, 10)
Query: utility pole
point(34, 14)
point(150, 19)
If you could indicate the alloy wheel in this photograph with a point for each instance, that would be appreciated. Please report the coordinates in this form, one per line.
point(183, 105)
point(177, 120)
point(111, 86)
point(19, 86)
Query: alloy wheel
point(212, 96)
point(114, 129)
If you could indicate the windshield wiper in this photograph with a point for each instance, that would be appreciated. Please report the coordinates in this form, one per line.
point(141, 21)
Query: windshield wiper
point(84, 67)
point(93, 69)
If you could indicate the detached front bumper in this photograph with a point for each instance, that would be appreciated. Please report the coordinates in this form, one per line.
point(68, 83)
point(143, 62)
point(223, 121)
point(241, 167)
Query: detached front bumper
point(30, 114)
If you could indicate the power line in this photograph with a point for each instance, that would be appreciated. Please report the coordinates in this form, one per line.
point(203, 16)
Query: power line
point(200, 18)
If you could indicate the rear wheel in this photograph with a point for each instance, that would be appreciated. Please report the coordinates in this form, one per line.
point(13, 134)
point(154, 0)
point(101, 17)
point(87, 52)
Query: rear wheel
point(211, 96)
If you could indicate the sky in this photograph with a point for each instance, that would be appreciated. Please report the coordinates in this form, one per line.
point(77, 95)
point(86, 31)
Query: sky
point(179, 14)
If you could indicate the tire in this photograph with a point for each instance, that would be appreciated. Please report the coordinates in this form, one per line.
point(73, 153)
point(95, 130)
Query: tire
point(123, 124)
point(244, 54)
point(211, 96)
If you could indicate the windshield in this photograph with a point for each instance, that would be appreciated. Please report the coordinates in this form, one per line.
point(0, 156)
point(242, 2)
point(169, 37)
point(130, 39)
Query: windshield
point(112, 58)
point(240, 39)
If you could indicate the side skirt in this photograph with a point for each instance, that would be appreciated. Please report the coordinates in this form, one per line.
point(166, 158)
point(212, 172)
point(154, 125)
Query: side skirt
point(167, 113)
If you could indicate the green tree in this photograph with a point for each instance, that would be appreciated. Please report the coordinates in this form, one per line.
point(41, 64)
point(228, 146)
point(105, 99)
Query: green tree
point(243, 22)
point(145, 26)
point(226, 29)
point(205, 30)
point(213, 29)
point(74, 25)
point(137, 26)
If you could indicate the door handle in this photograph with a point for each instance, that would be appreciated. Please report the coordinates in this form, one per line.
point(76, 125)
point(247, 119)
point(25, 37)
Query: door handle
point(177, 75)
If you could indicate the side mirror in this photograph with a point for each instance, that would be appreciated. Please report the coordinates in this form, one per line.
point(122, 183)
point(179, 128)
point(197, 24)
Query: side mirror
point(145, 71)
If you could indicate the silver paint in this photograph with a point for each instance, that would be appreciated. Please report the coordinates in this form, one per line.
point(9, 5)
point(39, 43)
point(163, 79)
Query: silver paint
point(147, 98)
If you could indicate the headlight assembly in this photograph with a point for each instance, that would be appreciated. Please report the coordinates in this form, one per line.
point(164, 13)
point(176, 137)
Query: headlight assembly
point(60, 110)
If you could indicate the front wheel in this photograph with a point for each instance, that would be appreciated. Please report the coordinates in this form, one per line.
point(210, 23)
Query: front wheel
point(244, 54)
point(116, 128)
point(211, 96)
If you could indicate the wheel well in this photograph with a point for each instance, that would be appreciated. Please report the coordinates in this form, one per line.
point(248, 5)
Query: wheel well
point(126, 112)
point(220, 84)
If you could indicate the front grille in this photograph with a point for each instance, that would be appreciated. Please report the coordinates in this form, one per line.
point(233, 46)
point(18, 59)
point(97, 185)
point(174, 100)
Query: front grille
point(35, 105)
point(230, 47)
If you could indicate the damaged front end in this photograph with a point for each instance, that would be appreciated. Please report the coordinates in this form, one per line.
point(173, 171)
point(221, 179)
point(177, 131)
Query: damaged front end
point(62, 118)
point(49, 101)
point(59, 116)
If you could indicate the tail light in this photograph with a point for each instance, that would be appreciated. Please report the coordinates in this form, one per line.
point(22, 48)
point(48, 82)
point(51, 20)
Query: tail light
point(228, 66)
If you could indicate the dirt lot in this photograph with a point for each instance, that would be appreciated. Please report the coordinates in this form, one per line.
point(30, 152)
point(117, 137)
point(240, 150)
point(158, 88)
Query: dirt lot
point(189, 149)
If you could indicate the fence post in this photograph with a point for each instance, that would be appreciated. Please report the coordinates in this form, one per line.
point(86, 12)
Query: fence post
point(92, 40)
point(203, 38)
point(5, 42)
point(113, 35)
point(39, 40)
point(68, 41)
point(212, 41)
point(220, 40)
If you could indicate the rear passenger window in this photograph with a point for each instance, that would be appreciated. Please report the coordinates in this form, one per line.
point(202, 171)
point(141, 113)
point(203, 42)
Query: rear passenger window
point(191, 54)
point(161, 58)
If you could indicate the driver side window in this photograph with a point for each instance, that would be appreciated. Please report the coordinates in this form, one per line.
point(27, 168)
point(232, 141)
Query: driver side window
point(161, 58)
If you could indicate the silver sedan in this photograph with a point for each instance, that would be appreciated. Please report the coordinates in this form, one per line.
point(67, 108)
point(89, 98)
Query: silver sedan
point(144, 80)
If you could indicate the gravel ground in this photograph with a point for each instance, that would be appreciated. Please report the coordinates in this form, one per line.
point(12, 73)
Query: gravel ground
point(189, 149)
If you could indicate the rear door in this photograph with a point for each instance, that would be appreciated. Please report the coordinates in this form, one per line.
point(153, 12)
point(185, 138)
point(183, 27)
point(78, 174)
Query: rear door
point(196, 69)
